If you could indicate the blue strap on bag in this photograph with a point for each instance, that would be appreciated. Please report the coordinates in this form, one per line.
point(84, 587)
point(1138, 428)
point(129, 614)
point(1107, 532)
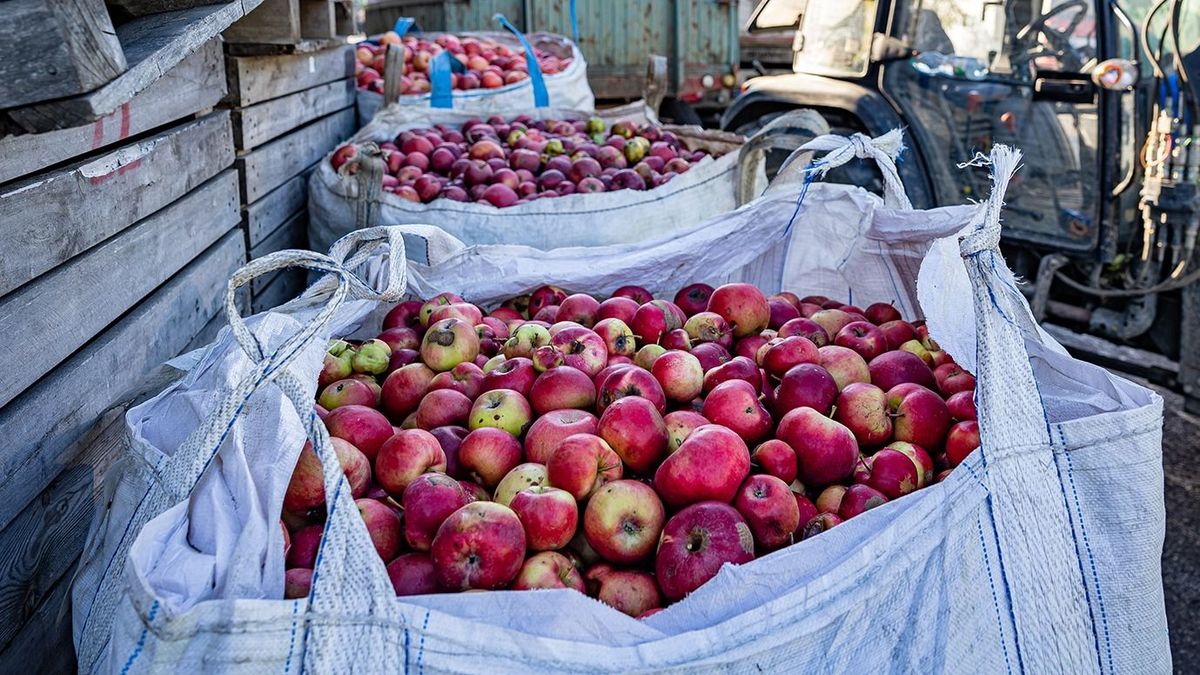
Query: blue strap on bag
point(441, 90)
point(405, 24)
point(574, 25)
point(541, 98)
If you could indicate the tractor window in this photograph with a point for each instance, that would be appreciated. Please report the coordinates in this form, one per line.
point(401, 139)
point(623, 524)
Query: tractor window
point(835, 38)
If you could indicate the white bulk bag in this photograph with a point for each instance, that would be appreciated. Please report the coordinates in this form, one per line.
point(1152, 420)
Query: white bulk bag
point(339, 204)
point(567, 89)
point(1040, 553)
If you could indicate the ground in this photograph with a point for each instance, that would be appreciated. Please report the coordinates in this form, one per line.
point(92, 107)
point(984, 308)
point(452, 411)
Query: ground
point(1181, 552)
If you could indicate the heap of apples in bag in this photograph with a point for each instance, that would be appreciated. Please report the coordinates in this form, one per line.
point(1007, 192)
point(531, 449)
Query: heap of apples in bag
point(628, 448)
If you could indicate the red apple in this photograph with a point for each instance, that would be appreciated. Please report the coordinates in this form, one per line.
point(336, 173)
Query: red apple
point(487, 454)
point(769, 509)
point(550, 430)
point(383, 525)
point(919, 415)
point(962, 406)
point(830, 499)
point(735, 405)
point(821, 523)
point(481, 545)
point(709, 465)
point(696, 542)
point(465, 378)
point(623, 520)
point(443, 407)
point(832, 320)
point(582, 464)
point(545, 297)
point(406, 314)
point(618, 338)
point(630, 381)
point(805, 328)
point(631, 592)
point(863, 409)
point(845, 365)
point(349, 391)
point(404, 388)
point(807, 511)
point(413, 574)
point(582, 349)
point(406, 455)
point(737, 368)
point(297, 583)
point(306, 488)
point(961, 441)
point(548, 514)
point(635, 293)
point(743, 306)
point(464, 311)
point(305, 544)
point(710, 355)
point(580, 308)
point(826, 451)
point(634, 429)
point(751, 345)
point(515, 373)
point(893, 473)
point(680, 375)
point(859, 499)
point(782, 311)
point(364, 428)
point(893, 368)
point(863, 337)
point(881, 313)
point(782, 354)
point(547, 570)
point(680, 425)
point(428, 500)
point(706, 326)
point(952, 379)
point(775, 458)
point(617, 308)
point(652, 320)
point(896, 333)
point(693, 299)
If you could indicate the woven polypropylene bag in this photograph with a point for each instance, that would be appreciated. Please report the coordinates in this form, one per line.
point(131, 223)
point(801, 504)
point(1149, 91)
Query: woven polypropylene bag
point(1040, 553)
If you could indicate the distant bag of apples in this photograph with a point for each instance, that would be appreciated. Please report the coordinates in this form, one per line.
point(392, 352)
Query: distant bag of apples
point(1040, 552)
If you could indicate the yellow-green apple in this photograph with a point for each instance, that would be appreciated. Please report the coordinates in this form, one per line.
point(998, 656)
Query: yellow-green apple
point(770, 510)
point(516, 373)
point(297, 583)
point(404, 388)
point(805, 328)
point(347, 392)
point(737, 368)
point(372, 357)
point(709, 465)
point(693, 298)
point(919, 415)
point(526, 338)
point(858, 499)
point(832, 320)
point(647, 355)
point(550, 430)
point(581, 349)
point(680, 425)
point(631, 592)
point(952, 379)
point(962, 406)
point(546, 357)
point(775, 458)
point(696, 542)
point(503, 409)
point(830, 499)
point(623, 520)
point(480, 546)
point(364, 428)
point(863, 409)
point(580, 308)
point(618, 308)
point(743, 307)
point(845, 365)
point(443, 407)
point(337, 365)
point(897, 333)
point(448, 343)
point(863, 337)
point(383, 525)
point(680, 375)
point(630, 381)
point(548, 569)
point(582, 464)
point(413, 574)
point(549, 515)
point(428, 500)
point(562, 388)
point(704, 327)
point(915, 347)
point(406, 455)
point(487, 454)
point(734, 404)
point(465, 378)
point(961, 441)
point(522, 476)
point(806, 385)
point(826, 451)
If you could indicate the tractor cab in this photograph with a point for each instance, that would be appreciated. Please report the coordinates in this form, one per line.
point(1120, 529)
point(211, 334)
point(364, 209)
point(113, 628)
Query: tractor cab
point(961, 76)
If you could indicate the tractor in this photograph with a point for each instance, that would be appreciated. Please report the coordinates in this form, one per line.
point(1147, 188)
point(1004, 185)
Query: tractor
point(1102, 97)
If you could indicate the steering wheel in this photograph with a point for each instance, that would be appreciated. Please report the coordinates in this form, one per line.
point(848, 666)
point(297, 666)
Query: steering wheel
point(1058, 42)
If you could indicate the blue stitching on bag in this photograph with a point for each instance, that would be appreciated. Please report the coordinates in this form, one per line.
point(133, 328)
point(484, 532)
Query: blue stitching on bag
point(287, 665)
point(987, 565)
point(406, 647)
point(1087, 547)
point(141, 643)
point(421, 645)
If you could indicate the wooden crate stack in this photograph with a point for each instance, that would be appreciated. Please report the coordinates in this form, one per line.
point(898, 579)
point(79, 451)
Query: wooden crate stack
point(288, 111)
point(119, 219)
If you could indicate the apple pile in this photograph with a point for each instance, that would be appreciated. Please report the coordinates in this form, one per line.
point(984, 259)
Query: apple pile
point(506, 162)
point(628, 448)
point(489, 64)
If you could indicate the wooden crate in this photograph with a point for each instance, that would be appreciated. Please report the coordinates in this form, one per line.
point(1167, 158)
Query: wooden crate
point(255, 79)
point(269, 120)
point(292, 22)
point(53, 468)
point(269, 166)
point(152, 45)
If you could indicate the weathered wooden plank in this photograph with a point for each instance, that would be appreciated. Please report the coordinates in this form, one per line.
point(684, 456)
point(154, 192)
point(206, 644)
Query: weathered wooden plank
point(274, 21)
point(273, 164)
point(295, 48)
point(145, 7)
point(285, 285)
point(71, 304)
point(39, 426)
point(269, 120)
point(54, 49)
point(49, 219)
point(39, 549)
point(215, 324)
point(153, 45)
point(197, 83)
point(345, 18)
point(317, 19)
point(292, 234)
point(265, 215)
point(254, 79)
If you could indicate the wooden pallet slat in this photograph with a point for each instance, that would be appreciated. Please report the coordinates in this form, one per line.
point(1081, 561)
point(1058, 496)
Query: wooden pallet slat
point(273, 164)
point(69, 305)
point(152, 45)
point(317, 19)
point(53, 49)
point(266, 215)
point(40, 426)
point(284, 286)
point(274, 21)
point(254, 79)
point(47, 220)
point(292, 234)
point(196, 84)
point(269, 120)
